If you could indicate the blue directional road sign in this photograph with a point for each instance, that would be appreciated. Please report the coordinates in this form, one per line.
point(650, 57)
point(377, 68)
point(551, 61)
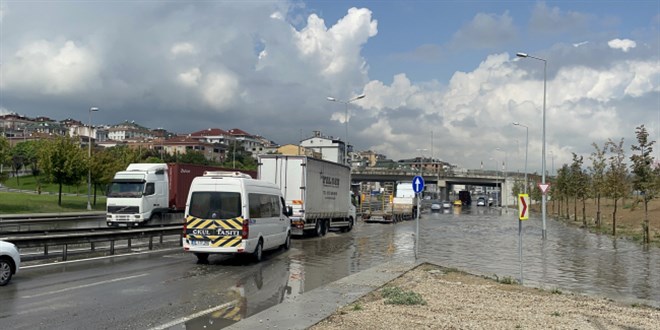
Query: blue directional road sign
point(418, 184)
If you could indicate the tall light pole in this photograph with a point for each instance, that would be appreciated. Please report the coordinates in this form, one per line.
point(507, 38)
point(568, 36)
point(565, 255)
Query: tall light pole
point(526, 148)
point(543, 196)
point(89, 158)
point(332, 99)
point(504, 167)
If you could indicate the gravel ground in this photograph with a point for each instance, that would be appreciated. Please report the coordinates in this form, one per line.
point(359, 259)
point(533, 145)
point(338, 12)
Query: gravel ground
point(456, 300)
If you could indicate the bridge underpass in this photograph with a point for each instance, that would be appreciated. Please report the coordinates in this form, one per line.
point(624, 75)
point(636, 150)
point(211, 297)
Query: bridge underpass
point(440, 186)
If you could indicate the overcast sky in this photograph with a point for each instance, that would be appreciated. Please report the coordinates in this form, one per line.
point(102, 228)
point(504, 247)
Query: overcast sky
point(438, 75)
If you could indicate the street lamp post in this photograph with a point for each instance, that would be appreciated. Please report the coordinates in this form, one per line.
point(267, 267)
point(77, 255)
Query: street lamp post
point(543, 197)
point(89, 159)
point(332, 99)
point(526, 148)
point(505, 168)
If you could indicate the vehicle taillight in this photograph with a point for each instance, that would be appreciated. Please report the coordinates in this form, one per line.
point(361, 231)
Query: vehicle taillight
point(246, 228)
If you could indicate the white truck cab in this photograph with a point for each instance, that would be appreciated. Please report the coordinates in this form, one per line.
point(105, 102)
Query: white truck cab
point(231, 213)
point(137, 194)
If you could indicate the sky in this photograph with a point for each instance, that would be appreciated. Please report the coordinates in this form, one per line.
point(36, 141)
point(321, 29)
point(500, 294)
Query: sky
point(441, 79)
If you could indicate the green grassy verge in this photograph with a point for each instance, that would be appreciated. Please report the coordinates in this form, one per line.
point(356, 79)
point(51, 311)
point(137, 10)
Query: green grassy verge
point(32, 203)
point(29, 182)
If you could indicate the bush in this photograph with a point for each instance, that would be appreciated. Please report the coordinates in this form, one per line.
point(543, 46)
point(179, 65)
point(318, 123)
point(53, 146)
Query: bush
point(397, 296)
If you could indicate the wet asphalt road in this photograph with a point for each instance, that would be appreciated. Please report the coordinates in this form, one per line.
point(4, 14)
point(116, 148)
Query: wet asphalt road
point(168, 289)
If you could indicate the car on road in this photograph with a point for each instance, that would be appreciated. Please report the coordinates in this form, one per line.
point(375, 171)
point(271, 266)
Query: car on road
point(436, 206)
point(481, 201)
point(446, 204)
point(490, 201)
point(10, 261)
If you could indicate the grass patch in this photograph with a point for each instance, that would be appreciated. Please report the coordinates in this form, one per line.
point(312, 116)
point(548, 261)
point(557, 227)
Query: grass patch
point(357, 307)
point(555, 314)
point(505, 280)
point(396, 296)
point(29, 182)
point(555, 291)
point(32, 203)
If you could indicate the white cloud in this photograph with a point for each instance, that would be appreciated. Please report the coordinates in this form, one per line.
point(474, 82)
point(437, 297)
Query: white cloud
point(219, 90)
point(623, 44)
point(554, 20)
point(337, 49)
point(183, 48)
point(191, 77)
point(277, 15)
point(3, 11)
point(486, 30)
point(50, 68)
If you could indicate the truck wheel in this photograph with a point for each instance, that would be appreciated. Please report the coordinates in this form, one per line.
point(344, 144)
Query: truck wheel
point(5, 271)
point(324, 228)
point(155, 217)
point(202, 258)
point(318, 230)
point(349, 227)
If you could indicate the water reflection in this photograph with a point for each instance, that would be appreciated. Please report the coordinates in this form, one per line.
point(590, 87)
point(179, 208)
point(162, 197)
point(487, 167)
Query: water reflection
point(570, 258)
point(481, 240)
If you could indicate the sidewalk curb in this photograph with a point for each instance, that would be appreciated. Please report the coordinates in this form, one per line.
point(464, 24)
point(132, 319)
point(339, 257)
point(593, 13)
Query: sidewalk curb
point(316, 305)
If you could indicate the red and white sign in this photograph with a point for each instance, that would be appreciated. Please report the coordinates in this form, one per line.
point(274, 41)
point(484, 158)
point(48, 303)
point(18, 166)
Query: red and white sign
point(544, 187)
point(523, 210)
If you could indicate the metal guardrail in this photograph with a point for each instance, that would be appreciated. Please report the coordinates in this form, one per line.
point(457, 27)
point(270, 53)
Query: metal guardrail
point(91, 238)
point(49, 217)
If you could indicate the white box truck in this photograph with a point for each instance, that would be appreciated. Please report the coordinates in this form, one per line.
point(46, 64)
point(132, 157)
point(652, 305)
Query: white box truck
point(318, 191)
point(147, 191)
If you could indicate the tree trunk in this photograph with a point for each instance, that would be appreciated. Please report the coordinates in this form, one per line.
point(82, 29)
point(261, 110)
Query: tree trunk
point(575, 209)
point(614, 217)
point(598, 211)
point(59, 199)
point(568, 214)
point(584, 215)
point(647, 232)
point(95, 194)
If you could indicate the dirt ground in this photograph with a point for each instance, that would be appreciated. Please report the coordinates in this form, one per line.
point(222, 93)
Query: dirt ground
point(457, 300)
point(629, 217)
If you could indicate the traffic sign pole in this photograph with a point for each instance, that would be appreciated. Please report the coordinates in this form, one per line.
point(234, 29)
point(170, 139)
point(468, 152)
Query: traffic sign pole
point(418, 187)
point(523, 214)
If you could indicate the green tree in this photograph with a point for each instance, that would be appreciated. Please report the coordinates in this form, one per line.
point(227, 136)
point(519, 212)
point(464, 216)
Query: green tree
point(104, 165)
point(645, 175)
point(193, 157)
point(29, 150)
point(5, 156)
point(63, 162)
point(579, 182)
point(616, 177)
point(597, 170)
point(563, 188)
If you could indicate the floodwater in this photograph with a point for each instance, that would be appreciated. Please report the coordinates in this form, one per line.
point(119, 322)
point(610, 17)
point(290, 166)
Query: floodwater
point(479, 240)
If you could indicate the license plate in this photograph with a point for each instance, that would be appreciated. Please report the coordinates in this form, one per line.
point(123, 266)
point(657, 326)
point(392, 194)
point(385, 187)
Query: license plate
point(123, 225)
point(199, 243)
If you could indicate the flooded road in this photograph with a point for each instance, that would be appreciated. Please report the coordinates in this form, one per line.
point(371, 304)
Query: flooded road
point(478, 240)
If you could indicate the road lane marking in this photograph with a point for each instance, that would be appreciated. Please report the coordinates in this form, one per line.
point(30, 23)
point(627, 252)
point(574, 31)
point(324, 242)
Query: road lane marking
point(101, 258)
point(85, 286)
point(194, 316)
